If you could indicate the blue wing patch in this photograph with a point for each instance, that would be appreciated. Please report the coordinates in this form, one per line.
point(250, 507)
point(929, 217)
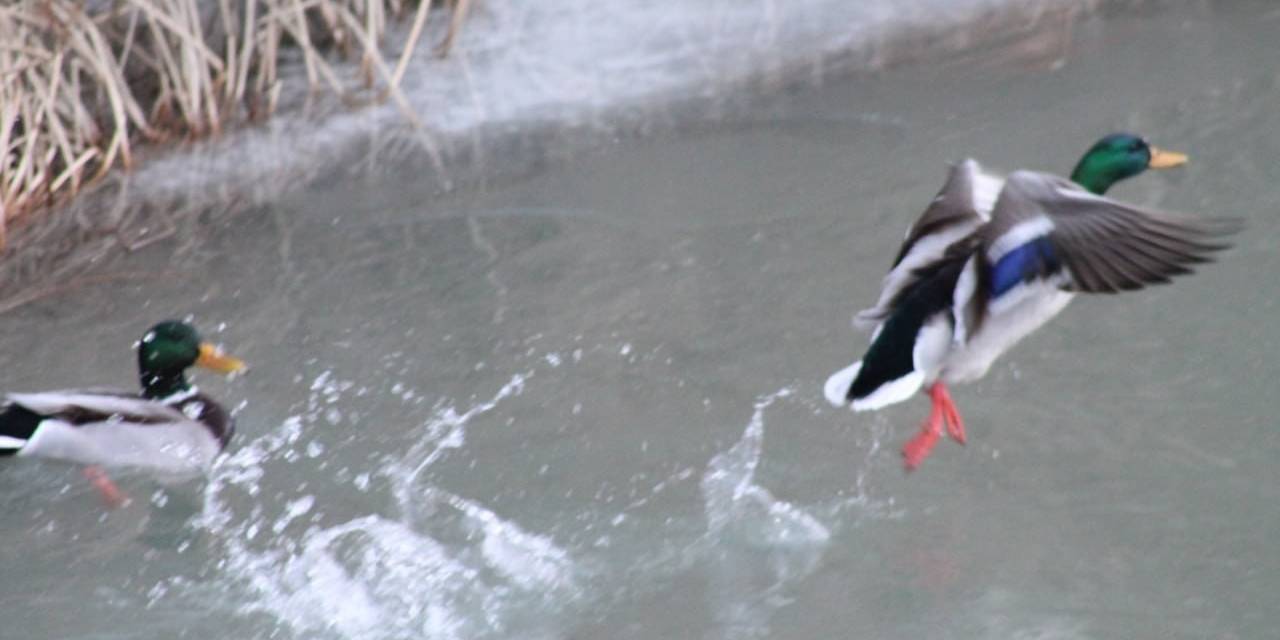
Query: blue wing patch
point(1027, 261)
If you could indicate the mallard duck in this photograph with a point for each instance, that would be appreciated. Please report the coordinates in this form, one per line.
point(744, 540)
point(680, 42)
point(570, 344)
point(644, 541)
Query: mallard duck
point(170, 427)
point(991, 260)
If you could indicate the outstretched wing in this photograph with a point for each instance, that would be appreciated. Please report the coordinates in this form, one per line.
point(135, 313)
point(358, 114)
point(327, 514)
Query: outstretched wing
point(962, 205)
point(1043, 225)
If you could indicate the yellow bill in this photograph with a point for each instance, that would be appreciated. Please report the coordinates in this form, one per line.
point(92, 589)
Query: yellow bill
point(211, 357)
point(1162, 159)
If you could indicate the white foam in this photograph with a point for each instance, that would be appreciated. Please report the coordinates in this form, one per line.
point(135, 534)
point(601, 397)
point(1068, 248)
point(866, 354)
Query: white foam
point(437, 566)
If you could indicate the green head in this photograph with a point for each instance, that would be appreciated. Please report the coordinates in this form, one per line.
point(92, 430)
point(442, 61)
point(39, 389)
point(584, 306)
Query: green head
point(168, 349)
point(1119, 156)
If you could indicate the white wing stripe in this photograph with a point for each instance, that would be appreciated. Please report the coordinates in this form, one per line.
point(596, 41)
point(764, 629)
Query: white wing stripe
point(1018, 235)
point(965, 288)
point(986, 188)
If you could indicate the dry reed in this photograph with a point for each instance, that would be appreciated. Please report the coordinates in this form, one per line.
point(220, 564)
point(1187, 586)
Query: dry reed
point(82, 83)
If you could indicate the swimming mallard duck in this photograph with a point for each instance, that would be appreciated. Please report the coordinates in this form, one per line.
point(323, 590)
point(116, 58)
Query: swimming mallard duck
point(991, 260)
point(169, 427)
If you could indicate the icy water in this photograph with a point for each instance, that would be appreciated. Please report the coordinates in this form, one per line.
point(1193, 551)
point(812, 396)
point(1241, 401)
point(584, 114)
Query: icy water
point(586, 402)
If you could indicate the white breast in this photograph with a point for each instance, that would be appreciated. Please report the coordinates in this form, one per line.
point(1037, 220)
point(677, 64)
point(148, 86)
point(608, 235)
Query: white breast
point(1029, 307)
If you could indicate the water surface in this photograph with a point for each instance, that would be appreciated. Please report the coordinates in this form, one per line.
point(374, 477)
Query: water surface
point(586, 402)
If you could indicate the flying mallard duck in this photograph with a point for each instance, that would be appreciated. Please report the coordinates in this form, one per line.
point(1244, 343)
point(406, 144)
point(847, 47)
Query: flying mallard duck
point(991, 260)
point(171, 427)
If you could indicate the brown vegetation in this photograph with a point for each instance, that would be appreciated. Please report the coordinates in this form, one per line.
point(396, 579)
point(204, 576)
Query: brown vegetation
point(82, 83)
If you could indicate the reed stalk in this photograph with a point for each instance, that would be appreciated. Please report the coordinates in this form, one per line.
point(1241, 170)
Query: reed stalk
point(83, 83)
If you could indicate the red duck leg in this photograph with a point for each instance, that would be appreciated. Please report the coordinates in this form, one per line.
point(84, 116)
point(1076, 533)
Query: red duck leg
point(943, 411)
point(112, 496)
point(955, 426)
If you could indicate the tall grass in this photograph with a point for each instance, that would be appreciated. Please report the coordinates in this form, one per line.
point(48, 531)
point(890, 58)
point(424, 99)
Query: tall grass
point(83, 83)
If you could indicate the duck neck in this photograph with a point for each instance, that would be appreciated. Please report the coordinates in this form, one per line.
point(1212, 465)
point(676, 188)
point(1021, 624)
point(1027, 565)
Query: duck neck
point(1092, 182)
point(157, 386)
point(1097, 174)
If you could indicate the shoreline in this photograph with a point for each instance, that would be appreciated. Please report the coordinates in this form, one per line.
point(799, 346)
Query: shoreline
point(588, 87)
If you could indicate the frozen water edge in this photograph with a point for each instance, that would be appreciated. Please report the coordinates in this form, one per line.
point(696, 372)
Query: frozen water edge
point(524, 73)
point(527, 83)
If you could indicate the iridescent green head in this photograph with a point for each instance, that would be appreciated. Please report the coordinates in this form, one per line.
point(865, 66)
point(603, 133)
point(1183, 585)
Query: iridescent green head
point(168, 349)
point(1119, 156)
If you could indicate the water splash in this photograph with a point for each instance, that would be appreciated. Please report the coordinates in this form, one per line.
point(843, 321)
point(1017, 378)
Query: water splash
point(759, 545)
point(373, 577)
point(406, 557)
point(445, 430)
point(439, 566)
point(735, 504)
